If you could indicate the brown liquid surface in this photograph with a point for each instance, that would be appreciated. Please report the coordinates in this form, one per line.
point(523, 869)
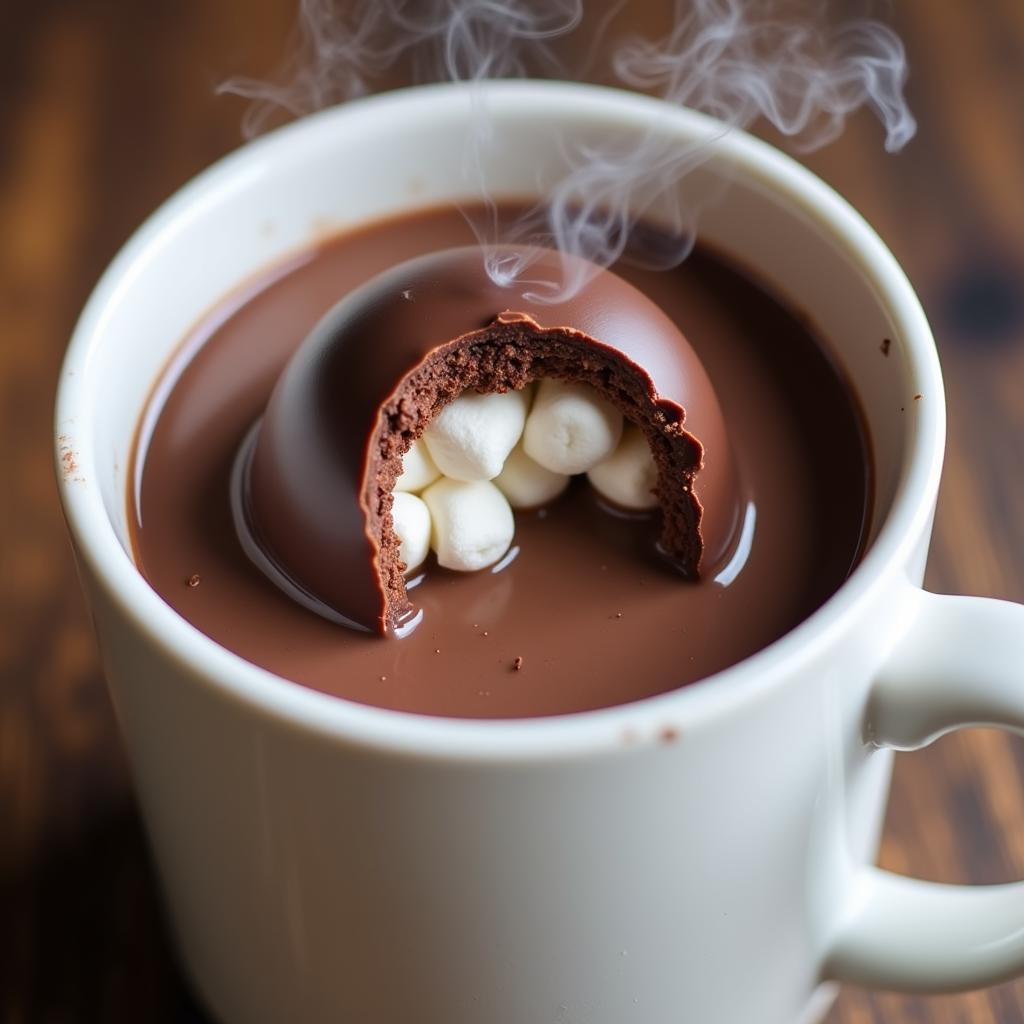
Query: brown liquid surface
point(582, 600)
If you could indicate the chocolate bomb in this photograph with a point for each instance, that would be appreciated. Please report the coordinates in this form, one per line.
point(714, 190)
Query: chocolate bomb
point(315, 489)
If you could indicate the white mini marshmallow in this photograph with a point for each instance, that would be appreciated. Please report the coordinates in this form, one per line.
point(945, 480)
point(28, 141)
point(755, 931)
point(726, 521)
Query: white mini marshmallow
point(527, 484)
point(472, 523)
point(471, 438)
point(570, 427)
point(412, 525)
point(418, 469)
point(627, 477)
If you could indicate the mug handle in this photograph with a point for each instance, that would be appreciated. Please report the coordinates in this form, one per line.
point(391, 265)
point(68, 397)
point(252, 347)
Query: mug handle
point(959, 664)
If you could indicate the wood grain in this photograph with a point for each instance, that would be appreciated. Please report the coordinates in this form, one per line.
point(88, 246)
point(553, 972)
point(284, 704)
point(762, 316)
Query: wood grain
point(106, 106)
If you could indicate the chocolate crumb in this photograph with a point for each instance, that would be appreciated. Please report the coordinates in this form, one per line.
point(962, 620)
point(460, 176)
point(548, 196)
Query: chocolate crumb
point(917, 398)
point(517, 662)
point(193, 580)
point(886, 345)
point(669, 734)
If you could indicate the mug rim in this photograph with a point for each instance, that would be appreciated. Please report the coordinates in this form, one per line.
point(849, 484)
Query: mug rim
point(577, 733)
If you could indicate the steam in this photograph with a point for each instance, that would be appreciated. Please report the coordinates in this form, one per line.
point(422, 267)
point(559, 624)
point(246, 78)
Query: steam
point(781, 60)
point(737, 61)
point(342, 48)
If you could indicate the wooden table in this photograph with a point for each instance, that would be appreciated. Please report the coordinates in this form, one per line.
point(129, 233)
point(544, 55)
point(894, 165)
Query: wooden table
point(106, 106)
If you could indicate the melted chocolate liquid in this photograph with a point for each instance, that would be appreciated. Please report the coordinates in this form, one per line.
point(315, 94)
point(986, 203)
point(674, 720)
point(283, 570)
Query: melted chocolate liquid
point(581, 614)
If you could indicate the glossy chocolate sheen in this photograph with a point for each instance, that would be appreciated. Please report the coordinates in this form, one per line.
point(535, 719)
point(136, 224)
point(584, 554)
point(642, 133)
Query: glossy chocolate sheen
point(311, 464)
point(595, 619)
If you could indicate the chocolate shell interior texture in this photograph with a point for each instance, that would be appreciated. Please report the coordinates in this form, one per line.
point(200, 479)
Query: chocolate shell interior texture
point(373, 373)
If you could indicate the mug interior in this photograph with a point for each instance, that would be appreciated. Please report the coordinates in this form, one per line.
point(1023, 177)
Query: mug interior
point(406, 151)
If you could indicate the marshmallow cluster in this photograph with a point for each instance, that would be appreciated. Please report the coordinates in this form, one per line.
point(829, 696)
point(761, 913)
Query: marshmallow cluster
point(486, 454)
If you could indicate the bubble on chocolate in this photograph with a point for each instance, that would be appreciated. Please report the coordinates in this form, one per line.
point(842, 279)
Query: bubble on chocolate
point(316, 486)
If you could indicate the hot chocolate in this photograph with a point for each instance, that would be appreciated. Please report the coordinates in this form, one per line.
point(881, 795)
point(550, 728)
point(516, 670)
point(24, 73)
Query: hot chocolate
point(581, 613)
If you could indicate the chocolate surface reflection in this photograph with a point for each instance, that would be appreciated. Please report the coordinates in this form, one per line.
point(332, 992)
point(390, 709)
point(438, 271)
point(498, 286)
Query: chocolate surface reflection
point(593, 616)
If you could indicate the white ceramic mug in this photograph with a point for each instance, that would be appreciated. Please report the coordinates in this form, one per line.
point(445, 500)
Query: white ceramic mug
point(325, 861)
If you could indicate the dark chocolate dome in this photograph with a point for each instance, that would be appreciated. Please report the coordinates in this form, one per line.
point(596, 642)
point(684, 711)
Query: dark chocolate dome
point(362, 387)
